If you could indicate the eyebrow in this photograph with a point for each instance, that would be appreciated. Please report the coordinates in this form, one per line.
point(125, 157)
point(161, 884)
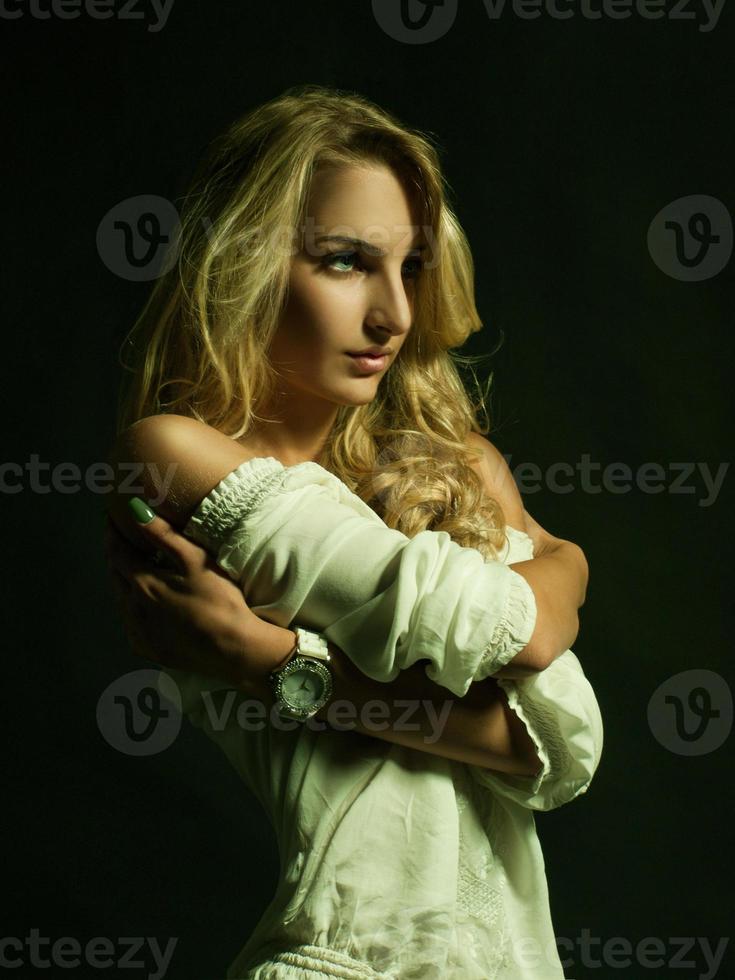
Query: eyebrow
point(362, 244)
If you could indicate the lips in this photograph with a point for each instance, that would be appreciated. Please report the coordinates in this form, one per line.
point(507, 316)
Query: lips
point(370, 352)
point(369, 363)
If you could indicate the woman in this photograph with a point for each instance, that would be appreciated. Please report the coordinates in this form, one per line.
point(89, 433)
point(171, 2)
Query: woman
point(394, 862)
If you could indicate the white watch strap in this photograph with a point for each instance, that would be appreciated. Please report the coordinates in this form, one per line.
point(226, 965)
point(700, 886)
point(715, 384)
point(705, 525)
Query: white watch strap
point(312, 644)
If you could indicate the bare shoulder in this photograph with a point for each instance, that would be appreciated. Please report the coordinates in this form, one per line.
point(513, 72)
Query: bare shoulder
point(159, 433)
point(173, 462)
point(497, 478)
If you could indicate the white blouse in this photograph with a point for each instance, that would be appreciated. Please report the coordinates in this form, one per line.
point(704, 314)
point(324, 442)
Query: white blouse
point(394, 863)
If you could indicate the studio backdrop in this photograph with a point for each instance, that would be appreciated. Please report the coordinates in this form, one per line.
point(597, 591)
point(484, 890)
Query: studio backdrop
point(586, 149)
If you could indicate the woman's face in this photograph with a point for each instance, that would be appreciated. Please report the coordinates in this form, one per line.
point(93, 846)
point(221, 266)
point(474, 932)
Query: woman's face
point(345, 297)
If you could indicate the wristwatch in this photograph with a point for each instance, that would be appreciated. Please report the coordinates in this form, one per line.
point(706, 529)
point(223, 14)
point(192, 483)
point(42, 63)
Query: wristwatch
point(304, 683)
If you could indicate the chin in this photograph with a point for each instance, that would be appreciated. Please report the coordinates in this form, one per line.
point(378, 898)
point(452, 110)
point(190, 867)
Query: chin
point(358, 394)
point(355, 399)
point(365, 397)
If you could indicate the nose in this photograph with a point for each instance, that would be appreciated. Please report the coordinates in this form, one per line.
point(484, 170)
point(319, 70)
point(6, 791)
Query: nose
point(391, 308)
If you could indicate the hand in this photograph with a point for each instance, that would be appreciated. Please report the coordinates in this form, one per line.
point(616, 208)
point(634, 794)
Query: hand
point(184, 613)
point(545, 543)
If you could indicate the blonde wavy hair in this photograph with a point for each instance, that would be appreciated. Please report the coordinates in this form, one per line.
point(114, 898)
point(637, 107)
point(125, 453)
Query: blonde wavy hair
point(200, 345)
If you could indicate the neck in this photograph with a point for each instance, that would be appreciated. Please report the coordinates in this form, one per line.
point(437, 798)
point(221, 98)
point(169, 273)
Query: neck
point(294, 433)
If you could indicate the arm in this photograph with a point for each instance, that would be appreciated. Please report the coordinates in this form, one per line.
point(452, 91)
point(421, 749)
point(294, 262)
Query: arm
point(558, 573)
point(182, 459)
point(479, 729)
point(556, 708)
point(561, 715)
point(556, 578)
point(398, 600)
point(197, 625)
point(311, 552)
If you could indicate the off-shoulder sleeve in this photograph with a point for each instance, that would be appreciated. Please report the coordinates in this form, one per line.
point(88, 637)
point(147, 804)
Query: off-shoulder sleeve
point(562, 716)
point(305, 549)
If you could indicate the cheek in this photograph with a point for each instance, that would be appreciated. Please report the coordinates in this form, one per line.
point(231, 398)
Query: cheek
point(322, 308)
point(324, 312)
point(328, 298)
point(298, 336)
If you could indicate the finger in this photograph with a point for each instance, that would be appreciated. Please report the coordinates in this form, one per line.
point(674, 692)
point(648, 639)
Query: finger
point(133, 621)
point(125, 527)
point(122, 592)
point(118, 542)
point(138, 568)
point(138, 572)
point(130, 603)
point(123, 557)
point(161, 535)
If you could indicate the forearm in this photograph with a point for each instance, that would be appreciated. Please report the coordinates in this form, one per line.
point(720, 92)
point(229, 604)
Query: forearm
point(559, 579)
point(479, 728)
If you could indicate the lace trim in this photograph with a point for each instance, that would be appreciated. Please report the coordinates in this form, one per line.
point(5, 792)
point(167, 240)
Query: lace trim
point(481, 876)
point(476, 898)
point(512, 631)
point(233, 498)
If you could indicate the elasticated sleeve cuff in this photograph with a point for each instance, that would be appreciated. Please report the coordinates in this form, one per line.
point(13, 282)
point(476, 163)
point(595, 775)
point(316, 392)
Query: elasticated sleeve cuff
point(561, 714)
point(513, 630)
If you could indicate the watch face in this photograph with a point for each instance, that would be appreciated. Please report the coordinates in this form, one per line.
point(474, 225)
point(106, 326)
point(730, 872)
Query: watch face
point(303, 687)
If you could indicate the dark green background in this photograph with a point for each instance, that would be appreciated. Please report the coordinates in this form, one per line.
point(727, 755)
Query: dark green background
point(561, 140)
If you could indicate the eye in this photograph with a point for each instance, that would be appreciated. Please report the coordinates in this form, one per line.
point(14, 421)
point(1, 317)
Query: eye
point(351, 257)
point(344, 257)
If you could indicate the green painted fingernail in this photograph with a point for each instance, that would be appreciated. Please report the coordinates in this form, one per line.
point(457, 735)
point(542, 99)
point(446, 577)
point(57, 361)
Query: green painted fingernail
point(141, 511)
